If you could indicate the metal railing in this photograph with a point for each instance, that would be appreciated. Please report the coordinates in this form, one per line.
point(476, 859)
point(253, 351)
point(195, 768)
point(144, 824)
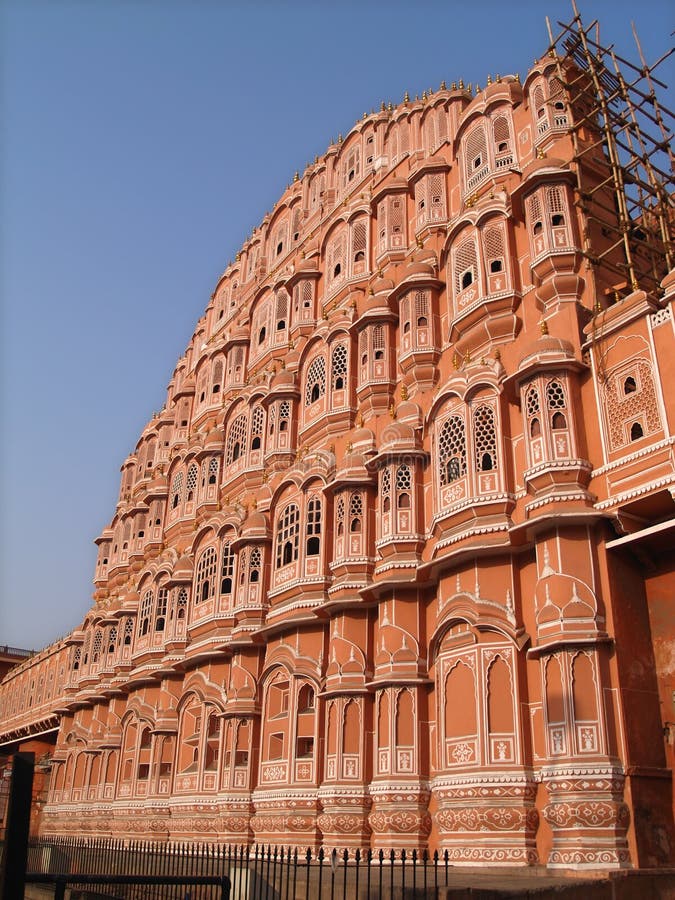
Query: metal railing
point(257, 872)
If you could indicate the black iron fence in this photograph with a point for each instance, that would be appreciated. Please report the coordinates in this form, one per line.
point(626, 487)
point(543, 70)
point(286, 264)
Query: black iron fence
point(135, 870)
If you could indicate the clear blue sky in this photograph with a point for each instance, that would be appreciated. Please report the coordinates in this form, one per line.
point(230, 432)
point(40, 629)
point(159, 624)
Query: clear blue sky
point(142, 141)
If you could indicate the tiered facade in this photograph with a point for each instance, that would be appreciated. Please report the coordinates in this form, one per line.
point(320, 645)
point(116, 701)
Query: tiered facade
point(376, 575)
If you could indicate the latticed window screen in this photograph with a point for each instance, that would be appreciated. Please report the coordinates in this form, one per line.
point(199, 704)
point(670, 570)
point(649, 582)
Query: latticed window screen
point(534, 210)
point(160, 608)
point(236, 439)
point(422, 308)
point(181, 603)
point(466, 264)
point(493, 246)
point(176, 489)
point(502, 134)
point(313, 526)
point(396, 213)
point(316, 381)
point(112, 639)
point(475, 154)
point(213, 470)
point(97, 645)
point(436, 197)
point(359, 232)
point(217, 380)
point(284, 415)
point(403, 478)
point(205, 582)
point(257, 424)
point(128, 631)
point(378, 341)
point(288, 535)
point(385, 484)
point(339, 366)
point(452, 450)
point(282, 310)
point(532, 401)
point(191, 483)
point(355, 512)
point(340, 515)
point(335, 256)
point(145, 613)
point(555, 200)
point(625, 407)
point(484, 438)
point(254, 565)
point(227, 569)
point(555, 395)
point(307, 294)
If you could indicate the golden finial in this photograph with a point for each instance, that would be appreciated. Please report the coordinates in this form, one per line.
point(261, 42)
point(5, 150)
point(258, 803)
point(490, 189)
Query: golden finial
point(390, 107)
point(382, 106)
point(339, 138)
point(238, 256)
point(254, 503)
point(469, 88)
point(365, 114)
point(540, 153)
point(424, 96)
point(498, 354)
point(265, 476)
point(517, 76)
point(543, 327)
point(392, 411)
point(453, 86)
point(499, 79)
point(467, 358)
point(404, 392)
point(489, 79)
point(296, 177)
point(316, 159)
point(455, 360)
point(359, 420)
point(442, 87)
point(483, 361)
point(634, 285)
point(598, 307)
point(406, 97)
point(350, 447)
point(371, 292)
point(478, 89)
point(617, 296)
point(420, 243)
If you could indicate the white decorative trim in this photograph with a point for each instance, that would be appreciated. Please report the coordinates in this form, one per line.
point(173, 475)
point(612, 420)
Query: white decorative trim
point(638, 454)
point(636, 492)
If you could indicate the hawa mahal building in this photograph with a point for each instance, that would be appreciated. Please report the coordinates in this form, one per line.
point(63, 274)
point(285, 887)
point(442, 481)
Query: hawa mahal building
point(392, 567)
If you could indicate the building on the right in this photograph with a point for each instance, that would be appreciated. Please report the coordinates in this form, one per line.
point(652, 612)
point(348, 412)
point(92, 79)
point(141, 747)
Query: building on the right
point(393, 566)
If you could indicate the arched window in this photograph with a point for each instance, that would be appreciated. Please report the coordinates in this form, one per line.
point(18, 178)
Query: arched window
point(339, 367)
point(254, 565)
point(484, 438)
point(236, 439)
point(403, 487)
point(217, 377)
point(213, 471)
point(281, 310)
point(629, 385)
point(316, 381)
point(313, 527)
point(226, 569)
point(340, 516)
point(465, 264)
point(476, 163)
point(205, 583)
point(191, 483)
point(284, 415)
point(288, 535)
point(176, 490)
point(145, 613)
point(555, 401)
point(257, 419)
point(160, 609)
point(385, 490)
point(356, 513)
point(636, 431)
point(452, 450)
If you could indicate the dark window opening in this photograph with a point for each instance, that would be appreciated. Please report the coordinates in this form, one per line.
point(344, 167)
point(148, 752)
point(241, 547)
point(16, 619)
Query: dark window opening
point(379, 354)
point(255, 576)
point(339, 383)
point(467, 279)
point(557, 220)
point(205, 590)
point(538, 228)
point(262, 334)
point(337, 270)
point(486, 463)
point(558, 421)
point(313, 546)
point(236, 451)
point(478, 161)
point(315, 393)
point(255, 443)
point(636, 431)
point(404, 501)
point(422, 322)
point(629, 385)
point(406, 328)
point(502, 147)
point(226, 586)
point(355, 526)
point(535, 428)
point(496, 266)
point(360, 256)
point(280, 247)
point(452, 470)
point(386, 504)
point(202, 396)
point(287, 556)
point(281, 324)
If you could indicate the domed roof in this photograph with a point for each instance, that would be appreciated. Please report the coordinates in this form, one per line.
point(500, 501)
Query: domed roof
point(214, 438)
point(548, 348)
point(255, 525)
point(183, 570)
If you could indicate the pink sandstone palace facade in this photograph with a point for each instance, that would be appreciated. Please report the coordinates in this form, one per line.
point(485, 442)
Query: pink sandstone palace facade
point(392, 565)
